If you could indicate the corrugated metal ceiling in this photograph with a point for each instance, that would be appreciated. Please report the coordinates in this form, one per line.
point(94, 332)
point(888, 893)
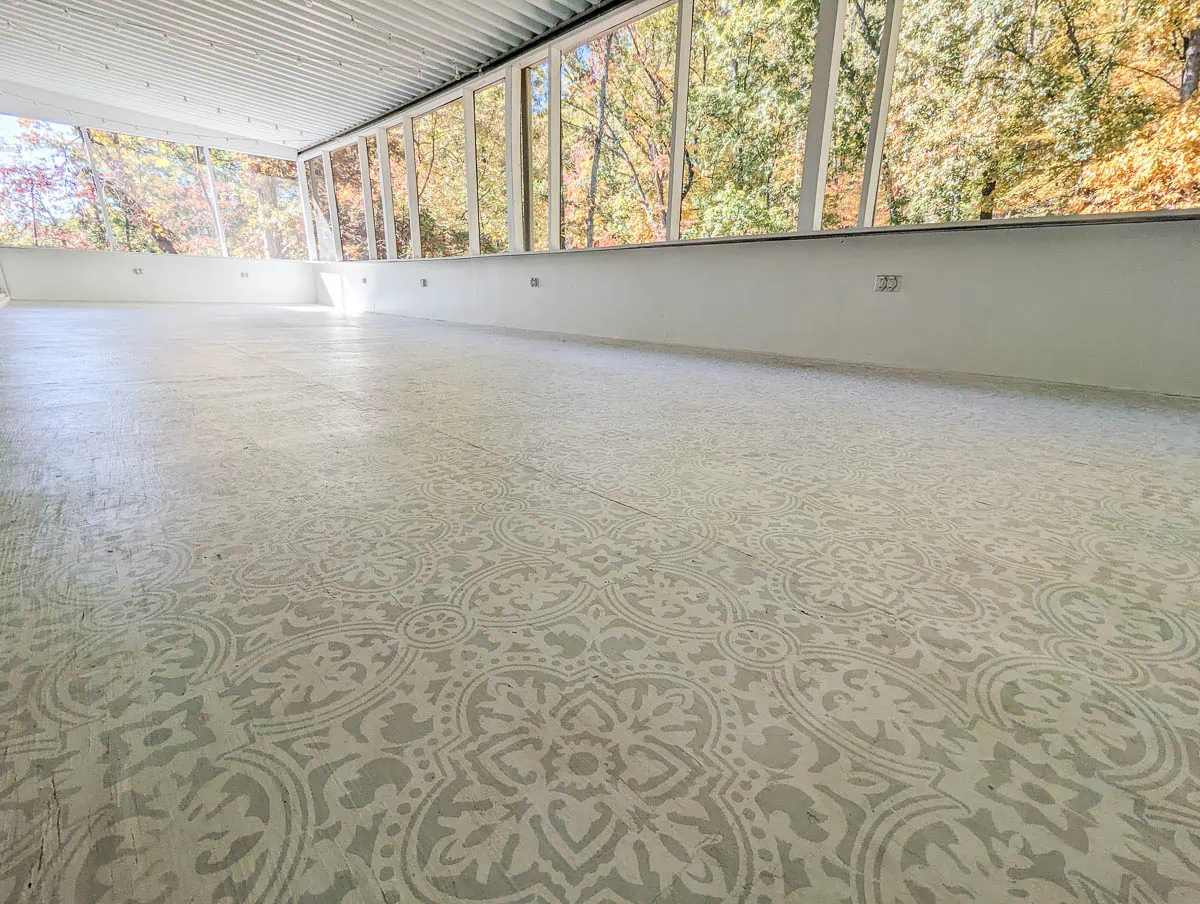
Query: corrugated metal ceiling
point(291, 72)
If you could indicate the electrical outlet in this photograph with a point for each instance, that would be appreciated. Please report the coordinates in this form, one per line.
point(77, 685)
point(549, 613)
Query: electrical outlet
point(364, 280)
point(534, 282)
point(886, 283)
point(137, 271)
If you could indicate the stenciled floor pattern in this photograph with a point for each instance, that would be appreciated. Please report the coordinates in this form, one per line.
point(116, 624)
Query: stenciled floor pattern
point(296, 607)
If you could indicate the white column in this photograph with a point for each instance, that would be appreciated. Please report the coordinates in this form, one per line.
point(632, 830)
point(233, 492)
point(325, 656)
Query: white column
point(386, 202)
point(828, 57)
point(99, 185)
point(310, 237)
point(472, 167)
point(410, 171)
point(364, 170)
point(555, 168)
point(211, 181)
point(512, 156)
point(331, 197)
point(683, 68)
point(888, 44)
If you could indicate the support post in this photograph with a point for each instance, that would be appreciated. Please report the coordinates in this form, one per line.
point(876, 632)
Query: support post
point(888, 45)
point(386, 201)
point(679, 111)
point(410, 172)
point(831, 25)
point(512, 156)
point(310, 236)
point(471, 162)
point(555, 168)
point(364, 172)
point(98, 183)
point(331, 203)
point(211, 181)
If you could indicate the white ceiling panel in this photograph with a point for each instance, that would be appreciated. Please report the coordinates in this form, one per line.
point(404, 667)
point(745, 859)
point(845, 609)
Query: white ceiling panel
point(283, 72)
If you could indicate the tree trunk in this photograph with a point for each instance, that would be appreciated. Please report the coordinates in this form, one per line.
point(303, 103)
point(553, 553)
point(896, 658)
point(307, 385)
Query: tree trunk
point(987, 197)
point(595, 176)
point(1191, 67)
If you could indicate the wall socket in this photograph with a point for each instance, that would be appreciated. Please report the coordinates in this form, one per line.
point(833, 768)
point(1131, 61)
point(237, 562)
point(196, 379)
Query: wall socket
point(534, 282)
point(137, 271)
point(887, 283)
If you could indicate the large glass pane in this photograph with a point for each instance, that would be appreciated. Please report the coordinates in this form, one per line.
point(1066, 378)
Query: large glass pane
point(318, 204)
point(857, 76)
point(617, 95)
point(751, 80)
point(260, 205)
point(395, 141)
point(47, 196)
point(440, 147)
point(347, 190)
point(1075, 106)
point(535, 155)
point(376, 201)
point(156, 193)
point(490, 174)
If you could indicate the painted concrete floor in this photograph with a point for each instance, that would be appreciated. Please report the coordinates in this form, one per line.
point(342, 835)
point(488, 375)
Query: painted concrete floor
point(298, 608)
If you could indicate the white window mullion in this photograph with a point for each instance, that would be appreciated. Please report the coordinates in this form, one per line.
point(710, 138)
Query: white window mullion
point(331, 204)
point(364, 172)
point(683, 66)
point(472, 173)
point(211, 180)
point(828, 56)
point(99, 185)
point(555, 167)
point(386, 202)
point(410, 172)
point(888, 44)
point(512, 156)
point(310, 237)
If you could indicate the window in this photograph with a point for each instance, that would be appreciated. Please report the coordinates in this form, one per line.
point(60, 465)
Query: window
point(490, 176)
point(318, 202)
point(440, 148)
point(156, 193)
point(376, 200)
point(259, 201)
point(348, 193)
point(47, 196)
point(617, 96)
point(1076, 106)
point(535, 155)
point(750, 82)
point(858, 74)
point(395, 142)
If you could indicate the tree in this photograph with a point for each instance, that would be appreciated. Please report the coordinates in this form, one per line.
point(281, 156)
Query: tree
point(259, 200)
point(440, 148)
point(157, 194)
point(1012, 107)
point(47, 194)
point(618, 93)
point(348, 194)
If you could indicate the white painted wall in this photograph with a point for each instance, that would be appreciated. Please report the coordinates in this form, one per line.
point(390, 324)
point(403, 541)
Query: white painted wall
point(51, 274)
point(1114, 304)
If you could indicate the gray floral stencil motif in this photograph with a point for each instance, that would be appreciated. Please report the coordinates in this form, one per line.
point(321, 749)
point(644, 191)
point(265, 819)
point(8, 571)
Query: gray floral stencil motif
point(301, 608)
point(572, 789)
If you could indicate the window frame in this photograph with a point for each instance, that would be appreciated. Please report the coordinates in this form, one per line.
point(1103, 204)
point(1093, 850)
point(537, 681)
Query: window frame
point(831, 24)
